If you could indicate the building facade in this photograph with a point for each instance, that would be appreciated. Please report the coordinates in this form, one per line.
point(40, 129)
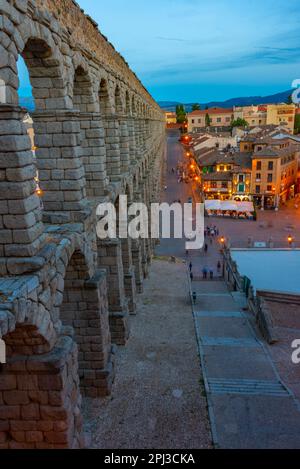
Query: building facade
point(218, 119)
point(274, 172)
point(279, 114)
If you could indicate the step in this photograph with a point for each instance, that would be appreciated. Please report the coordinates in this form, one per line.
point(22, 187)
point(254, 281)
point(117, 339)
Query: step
point(229, 342)
point(247, 387)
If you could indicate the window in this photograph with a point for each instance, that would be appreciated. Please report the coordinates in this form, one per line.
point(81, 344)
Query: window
point(219, 119)
point(224, 185)
point(270, 166)
point(270, 177)
point(193, 121)
point(228, 119)
point(257, 189)
point(228, 168)
point(258, 165)
point(213, 185)
point(222, 168)
point(246, 147)
point(258, 176)
point(241, 178)
point(199, 121)
point(269, 188)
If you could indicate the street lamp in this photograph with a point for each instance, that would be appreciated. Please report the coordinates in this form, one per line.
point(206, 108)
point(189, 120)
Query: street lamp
point(290, 240)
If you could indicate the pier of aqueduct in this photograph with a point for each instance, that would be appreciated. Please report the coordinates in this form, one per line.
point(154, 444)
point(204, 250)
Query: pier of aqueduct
point(65, 295)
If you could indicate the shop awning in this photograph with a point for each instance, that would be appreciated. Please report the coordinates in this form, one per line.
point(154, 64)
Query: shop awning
point(229, 205)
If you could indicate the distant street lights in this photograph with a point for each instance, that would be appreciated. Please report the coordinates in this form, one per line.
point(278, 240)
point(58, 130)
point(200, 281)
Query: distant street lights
point(290, 241)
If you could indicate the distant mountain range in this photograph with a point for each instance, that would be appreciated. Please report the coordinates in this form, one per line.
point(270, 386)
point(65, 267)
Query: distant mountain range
point(28, 102)
point(245, 101)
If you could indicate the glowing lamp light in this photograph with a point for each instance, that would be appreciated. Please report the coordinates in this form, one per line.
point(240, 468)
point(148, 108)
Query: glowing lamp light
point(39, 192)
point(290, 239)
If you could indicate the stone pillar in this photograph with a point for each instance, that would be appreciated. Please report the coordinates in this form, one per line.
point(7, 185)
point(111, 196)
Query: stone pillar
point(21, 228)
point(112, 142)
point(137, 131)
point(93, 153)
point(61, 173)
point(124, 145)
point(129, 274)
point(40, 404)
point(132, 140)
point(85, 308)
point(110, 258)
point(137, 262)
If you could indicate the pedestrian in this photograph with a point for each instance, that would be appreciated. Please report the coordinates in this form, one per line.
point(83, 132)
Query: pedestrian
point(204, 272)
point(194, 297)
point(219, 267)
point(166, 188)
point(205, 248)
point(191, 266)
point(191, 276)
point(211, 273)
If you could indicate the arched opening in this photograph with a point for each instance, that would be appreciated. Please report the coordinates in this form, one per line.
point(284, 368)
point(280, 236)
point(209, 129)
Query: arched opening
point(118, 102)
point(111, 130)
point(105, 107)
point(84, 309)
point(83, 98)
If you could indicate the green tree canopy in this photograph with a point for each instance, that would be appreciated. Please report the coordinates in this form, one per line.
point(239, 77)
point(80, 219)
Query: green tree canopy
point(297, 124)
point(239, 122)
point(196, 107)
point(289, 100)
point(207, 120)
point(181, 114)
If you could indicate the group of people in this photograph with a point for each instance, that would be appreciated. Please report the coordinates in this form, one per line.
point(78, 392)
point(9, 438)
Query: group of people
point(207, 272)
point(211, 231)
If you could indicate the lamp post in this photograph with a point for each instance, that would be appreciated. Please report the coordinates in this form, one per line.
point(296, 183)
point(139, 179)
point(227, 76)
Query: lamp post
point(290, 240)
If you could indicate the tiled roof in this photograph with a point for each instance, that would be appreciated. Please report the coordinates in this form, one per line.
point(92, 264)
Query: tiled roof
point(213, 110)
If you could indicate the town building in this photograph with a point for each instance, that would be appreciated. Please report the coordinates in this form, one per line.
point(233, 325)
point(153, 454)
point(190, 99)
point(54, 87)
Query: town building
point(274, 171)
point(225, 175)
point(220, 119)
point(219, 140)
point(171, 117)
point(254, 115)
point(282, 114)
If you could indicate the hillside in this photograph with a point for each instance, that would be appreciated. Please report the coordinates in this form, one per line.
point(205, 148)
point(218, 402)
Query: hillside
point(242, 101)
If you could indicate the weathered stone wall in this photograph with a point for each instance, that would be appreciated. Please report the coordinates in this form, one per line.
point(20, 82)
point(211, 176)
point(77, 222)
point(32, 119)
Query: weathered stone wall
point(64, 295)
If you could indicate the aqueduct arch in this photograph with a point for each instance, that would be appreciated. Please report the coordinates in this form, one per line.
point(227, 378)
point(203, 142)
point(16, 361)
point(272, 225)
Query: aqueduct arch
point(65, 296)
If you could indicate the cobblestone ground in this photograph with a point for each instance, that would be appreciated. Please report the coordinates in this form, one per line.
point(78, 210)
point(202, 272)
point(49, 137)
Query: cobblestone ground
point(158, 397)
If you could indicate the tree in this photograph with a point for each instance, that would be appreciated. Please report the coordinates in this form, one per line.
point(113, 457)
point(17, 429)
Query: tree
point(207, 120)
point(297, 124)
point(239, 122)
point(289, 100)
point(181, 114)
point(196, 107)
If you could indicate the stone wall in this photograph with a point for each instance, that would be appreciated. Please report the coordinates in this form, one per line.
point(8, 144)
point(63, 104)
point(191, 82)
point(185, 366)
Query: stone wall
point(66, 297)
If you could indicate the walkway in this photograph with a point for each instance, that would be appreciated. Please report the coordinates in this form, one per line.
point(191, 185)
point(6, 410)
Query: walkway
point(158, 399)
point(249, 406)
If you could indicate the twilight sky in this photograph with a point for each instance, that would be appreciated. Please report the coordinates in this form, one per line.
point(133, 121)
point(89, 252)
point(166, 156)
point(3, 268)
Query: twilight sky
point(194, 50)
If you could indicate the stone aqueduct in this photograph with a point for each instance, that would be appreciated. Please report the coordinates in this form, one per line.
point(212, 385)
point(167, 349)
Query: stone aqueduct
point(65, 295)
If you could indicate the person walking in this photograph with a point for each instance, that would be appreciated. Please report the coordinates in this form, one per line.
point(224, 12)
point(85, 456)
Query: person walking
point(219, 267)
point(211, 273)
point(191, 266)
point(204, 272)
point(205, 248)
point(191, 276)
